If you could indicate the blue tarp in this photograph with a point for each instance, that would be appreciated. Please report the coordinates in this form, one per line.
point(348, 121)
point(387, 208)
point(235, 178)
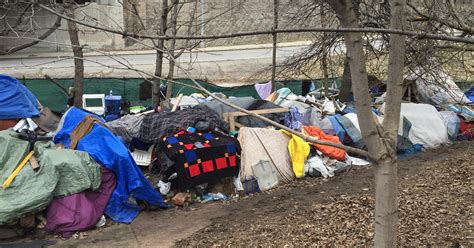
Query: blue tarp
point(349, 127)
point(16, 101)
point(106, 149)
point(470, 94)
point(340, 132)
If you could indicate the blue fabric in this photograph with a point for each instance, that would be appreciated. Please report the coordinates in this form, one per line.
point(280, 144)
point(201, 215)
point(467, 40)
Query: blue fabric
point(294, 119)
point(349, 127)
point(208, 136)
point(312, 87)
point(16, 101)
point(340, 132)
point(470, 94)
point(410, 151)
point(348, 109)
point(106, 149)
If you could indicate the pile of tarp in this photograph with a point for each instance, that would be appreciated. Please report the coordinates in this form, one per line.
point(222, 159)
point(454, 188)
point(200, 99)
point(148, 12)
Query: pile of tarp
point(269, 156)
point(92, 174)
point(90, 168)
point(84, 173)
point(194, 147)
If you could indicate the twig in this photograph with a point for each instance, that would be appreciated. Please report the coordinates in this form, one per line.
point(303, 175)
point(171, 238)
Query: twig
point(412, 34)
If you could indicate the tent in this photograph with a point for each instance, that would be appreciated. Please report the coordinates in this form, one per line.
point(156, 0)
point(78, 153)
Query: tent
point(16, 101)
point(427, 125)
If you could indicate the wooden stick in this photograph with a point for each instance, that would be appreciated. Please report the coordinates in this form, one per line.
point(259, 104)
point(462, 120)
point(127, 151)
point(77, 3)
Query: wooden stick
point(176, 105)
point(146, 112)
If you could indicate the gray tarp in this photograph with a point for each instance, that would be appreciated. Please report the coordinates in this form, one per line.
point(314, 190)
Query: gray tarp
point(248, 103)
point(62, 172)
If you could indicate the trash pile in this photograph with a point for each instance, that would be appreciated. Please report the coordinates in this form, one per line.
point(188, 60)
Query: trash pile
point(74, 171)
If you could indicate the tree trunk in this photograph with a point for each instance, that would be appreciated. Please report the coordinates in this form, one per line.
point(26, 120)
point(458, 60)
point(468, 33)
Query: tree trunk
point(381, 141)
point(274, 36)
point(360, 85)
point(160, 46)
point(386, 186)
point(346, 85)
point(78, 61)
point(174, 29)
point(386, 203)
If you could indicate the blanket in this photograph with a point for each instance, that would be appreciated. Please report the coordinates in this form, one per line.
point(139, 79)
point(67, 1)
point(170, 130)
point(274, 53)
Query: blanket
point(202, 157)
point(156, 126)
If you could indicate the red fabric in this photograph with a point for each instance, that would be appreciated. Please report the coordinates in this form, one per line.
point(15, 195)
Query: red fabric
point(232, 161)
point(466, 128)
point(189, 146)
point(207, 166)
point(194, 170)
point(6, 124)
point(333, 152)
point(221, 163)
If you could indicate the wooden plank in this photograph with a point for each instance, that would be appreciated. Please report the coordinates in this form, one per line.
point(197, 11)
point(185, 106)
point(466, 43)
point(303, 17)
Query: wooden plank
point(231, 118)
point(260, 111)
point(239, 125)
point(34, 163)
point(176, 105)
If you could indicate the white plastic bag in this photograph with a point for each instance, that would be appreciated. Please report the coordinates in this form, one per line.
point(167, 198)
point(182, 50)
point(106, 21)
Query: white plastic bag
point(451, 120)
point(316, 163)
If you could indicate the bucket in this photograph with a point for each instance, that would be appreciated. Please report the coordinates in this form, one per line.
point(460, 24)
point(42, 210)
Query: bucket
point(112, 105)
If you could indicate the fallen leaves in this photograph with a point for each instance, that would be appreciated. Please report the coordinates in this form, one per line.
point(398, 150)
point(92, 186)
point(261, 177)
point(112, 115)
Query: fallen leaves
point(435, 208)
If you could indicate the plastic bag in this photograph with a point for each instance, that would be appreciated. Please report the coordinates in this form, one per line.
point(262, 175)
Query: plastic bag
point(314, 164)
point(451, 120)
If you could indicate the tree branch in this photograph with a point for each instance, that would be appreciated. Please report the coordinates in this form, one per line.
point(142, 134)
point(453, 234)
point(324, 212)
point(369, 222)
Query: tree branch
point(45, 35)
point(412, 34)
point(55, 82)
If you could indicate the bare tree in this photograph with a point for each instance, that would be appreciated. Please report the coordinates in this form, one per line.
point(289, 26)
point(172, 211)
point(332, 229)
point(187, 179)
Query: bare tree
point(23, 25)
point(380, 140)
point(276, 4)
point(160, 45)
point(78, 85)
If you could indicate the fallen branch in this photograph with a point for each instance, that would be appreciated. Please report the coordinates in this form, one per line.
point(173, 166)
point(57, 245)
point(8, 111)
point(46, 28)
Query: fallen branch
point(55, 82)
point(278, 125)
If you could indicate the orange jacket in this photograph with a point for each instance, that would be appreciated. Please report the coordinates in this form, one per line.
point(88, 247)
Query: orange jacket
point(333, 152)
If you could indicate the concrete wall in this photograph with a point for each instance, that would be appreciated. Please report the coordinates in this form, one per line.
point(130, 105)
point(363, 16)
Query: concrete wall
point(220, 17)
point(108, 15)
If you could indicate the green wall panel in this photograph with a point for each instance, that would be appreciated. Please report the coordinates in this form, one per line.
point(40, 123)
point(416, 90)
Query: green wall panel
point(51, 96)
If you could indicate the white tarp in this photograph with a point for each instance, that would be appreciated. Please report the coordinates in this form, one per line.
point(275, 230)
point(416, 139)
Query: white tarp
point(354, 119)
point(427, 126)
point(438, 89)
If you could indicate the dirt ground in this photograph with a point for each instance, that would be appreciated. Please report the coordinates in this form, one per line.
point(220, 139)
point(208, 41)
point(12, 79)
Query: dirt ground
point(436, 209)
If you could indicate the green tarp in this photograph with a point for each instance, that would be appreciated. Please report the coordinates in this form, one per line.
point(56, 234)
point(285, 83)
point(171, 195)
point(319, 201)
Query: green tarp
point(51, 96)
point(62, 172)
